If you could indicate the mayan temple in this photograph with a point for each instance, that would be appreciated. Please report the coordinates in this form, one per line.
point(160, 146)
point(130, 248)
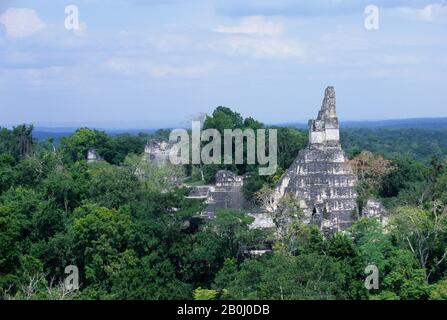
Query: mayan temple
point(320, 176)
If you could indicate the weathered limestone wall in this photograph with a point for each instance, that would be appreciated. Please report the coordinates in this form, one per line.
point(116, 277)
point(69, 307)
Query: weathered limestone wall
point(333, 134)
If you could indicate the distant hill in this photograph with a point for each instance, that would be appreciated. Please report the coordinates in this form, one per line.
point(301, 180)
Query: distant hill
point(416, 123)
point(42, 133)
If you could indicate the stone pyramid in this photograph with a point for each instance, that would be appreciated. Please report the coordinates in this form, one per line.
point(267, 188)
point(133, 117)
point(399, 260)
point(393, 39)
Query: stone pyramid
point(320, 177)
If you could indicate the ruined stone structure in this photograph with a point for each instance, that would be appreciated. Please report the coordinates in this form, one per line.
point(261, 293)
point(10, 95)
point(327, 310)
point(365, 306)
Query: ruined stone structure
point(227, 179)
point(157, 152)
point(320, 176)
point(375, 209)
point(93, 156)
point(226, 193)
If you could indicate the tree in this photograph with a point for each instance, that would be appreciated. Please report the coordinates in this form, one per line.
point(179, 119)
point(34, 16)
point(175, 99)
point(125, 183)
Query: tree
point(152, 277)
point(372, 242)
point(204, 294)
point(370, 170)
point(23, 139)
point(286, 214)
point(281, 277)
point(406, 172)
point(32, 169)
point(11, 225)
point(75, 147)
point(155, 178)
point(18, 142)
point(438, 291)
point(266, 199)
point(62, 188)
point(120, 146)
point(223, 118)
point(110, 186)
point(225, 275)
point(404, 277)
point(290, 142)
point(420, 231)
point(101, 237)
point(8, 174)
point(254, 184)
point(440, 184)
point(231, 227)
point(300, 238)
point(342, 247)
point(418, 143)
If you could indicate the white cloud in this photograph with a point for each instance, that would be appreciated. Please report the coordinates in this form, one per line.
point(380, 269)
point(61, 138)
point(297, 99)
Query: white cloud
point(129, 67)
point(167, 71)
point(366, 74)
point(21, 22)
point(258, 37)
point(36, 77)
point(255, 25)
point(344, 46)
point(306, 8)
point(430, 13)
point(263, 47)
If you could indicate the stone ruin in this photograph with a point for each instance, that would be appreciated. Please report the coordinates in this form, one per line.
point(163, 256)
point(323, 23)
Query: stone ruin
point(228, 180)
point(157, 152)
point(225, 193)
point(93, 156)
point(320, 177)
point(375, 209)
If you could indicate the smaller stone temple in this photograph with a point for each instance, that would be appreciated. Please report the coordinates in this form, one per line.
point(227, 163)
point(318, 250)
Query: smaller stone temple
point(224, 194)
point(157, 152)
point(320, 177)
point(93, 156)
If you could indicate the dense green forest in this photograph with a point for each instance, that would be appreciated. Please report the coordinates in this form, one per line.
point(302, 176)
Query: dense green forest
point(134, 235)
point(419, 144)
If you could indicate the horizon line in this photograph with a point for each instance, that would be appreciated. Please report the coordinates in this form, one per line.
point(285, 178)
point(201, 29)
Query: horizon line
point(133, 125)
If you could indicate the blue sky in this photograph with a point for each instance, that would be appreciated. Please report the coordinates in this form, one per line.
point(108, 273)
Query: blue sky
point(159, 63)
